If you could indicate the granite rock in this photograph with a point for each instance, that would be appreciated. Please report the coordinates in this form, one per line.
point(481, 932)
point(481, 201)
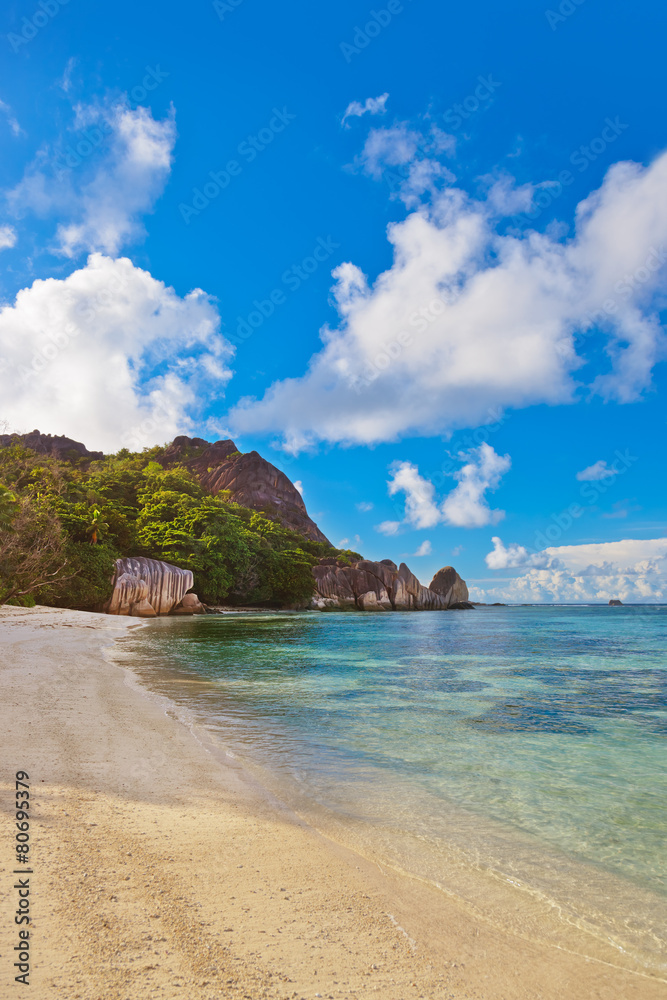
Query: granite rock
point(249, 479)
point(378, 586)
point(138, 582)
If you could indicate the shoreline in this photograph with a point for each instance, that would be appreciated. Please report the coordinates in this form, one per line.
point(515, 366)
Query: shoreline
point(163, 869)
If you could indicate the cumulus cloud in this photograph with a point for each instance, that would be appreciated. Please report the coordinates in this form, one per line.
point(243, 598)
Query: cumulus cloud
point(109, 356)
point(424, 549)
point(371, 106)
point(632, 570)
point(470, 319)
point(514, 556)
point(7, 237)
point(465, 506)
point(599, 470)
point(298, 486)
point(103, 196)
point(421, 510)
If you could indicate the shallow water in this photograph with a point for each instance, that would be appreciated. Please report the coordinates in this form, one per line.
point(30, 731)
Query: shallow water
point(483, 750)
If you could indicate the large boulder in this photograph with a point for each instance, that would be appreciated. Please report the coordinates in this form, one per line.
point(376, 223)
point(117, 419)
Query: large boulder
point(448, 583)
point(141, 585)
point(378, 586)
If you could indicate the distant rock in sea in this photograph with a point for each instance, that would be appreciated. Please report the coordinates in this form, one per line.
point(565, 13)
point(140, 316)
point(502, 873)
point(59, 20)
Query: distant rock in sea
point(382, 586)
point(616, 604)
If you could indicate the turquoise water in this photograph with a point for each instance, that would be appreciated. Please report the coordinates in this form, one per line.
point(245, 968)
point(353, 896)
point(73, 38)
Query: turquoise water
point(526, 745)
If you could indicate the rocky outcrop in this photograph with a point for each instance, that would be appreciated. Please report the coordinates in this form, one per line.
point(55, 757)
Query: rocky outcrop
point(378, 586)
point(616, 604)
point(145, 588)
point(250, 479)
point(448, 583)
point(47, 444)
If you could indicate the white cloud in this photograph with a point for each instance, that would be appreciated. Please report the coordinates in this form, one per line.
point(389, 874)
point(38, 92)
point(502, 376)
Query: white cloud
point(7, 237)
point(66, 81)
point(103, 196)
point(365, 506)
point(599, 470)
point(421, 510)
point(466, 506)
point(371, 106)
point(424, 549)
point(388, 527)
point(11, 120)
point(389, 147)
point(467, 321)
point(631, 570)
point(515, 556)
point(298, 486)
point(109, 356)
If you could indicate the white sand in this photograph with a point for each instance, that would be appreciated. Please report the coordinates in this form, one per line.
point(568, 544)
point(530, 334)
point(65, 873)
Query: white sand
point(159, 871)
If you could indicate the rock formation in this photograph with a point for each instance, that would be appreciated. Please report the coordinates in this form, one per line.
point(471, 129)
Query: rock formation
point(379, 586)
point(250, 479)
point(145, 588)
point(616, 604)
point(448, 583)
point(47, 444)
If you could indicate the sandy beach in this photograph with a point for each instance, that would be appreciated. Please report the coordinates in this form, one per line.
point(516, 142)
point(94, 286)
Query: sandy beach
point(163, 870)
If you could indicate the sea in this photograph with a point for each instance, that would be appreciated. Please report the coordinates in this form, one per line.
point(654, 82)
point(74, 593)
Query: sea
point(512, 757)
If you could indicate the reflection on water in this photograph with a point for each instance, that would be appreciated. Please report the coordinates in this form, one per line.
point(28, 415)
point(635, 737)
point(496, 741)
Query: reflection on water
point(525, 742)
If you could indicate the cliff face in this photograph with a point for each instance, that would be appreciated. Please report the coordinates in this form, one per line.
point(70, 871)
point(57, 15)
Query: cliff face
point(252, 481)
point(379, 586)
point(144, 588)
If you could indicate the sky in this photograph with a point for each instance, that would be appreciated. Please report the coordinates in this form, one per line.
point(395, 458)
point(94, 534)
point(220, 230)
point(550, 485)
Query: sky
point(414, 254)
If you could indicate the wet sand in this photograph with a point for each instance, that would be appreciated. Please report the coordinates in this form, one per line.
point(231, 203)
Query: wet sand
point(161, 869)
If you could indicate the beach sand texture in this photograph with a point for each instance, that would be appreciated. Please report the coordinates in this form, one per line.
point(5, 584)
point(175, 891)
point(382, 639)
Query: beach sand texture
point(161, 869)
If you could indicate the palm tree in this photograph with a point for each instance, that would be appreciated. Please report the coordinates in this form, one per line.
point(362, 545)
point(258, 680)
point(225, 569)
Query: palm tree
point(96, 527)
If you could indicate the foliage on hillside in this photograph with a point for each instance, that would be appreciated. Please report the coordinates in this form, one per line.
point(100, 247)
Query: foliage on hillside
point(63, 523)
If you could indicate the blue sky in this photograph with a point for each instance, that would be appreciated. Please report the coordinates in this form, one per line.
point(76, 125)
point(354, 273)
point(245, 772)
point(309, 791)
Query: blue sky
point(234, 170)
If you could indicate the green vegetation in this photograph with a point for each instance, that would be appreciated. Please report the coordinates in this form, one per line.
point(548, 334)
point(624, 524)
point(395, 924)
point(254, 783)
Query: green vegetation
point(64, 523)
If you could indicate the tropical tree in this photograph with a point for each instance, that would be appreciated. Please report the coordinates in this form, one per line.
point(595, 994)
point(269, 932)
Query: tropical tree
point(8, 508)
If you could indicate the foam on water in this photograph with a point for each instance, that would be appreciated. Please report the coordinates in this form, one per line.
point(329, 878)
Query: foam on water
point(501, 754)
